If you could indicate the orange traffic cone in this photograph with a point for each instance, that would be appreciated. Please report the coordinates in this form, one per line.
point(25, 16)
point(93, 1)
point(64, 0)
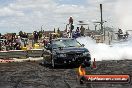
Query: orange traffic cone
point(94, 63)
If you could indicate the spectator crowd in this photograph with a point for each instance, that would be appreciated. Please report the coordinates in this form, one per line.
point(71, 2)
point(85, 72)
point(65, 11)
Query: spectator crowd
point(12, 41)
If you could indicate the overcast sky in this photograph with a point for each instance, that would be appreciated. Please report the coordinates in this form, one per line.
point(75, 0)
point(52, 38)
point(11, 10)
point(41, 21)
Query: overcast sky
point(29, 15)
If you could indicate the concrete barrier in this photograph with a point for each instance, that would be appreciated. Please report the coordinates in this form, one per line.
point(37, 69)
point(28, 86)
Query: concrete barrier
point(35, 53)
point(24, 53)
point(4, 54)
point(17, 54)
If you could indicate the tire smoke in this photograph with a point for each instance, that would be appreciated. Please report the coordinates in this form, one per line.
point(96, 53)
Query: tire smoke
point(101, 51)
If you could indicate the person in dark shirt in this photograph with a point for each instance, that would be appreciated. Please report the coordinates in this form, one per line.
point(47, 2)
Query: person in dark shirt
point(126, 35)
point(35, 36)
point(120, 34)
point(18, 46)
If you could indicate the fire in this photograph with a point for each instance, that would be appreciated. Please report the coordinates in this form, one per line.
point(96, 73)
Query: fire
point(82, 71)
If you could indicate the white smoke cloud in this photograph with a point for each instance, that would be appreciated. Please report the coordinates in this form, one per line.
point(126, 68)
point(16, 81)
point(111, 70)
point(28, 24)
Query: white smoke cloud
point(123, 14)
point(101, 51)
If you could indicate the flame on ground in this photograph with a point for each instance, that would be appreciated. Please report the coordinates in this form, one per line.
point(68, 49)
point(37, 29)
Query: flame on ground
point(82, 71)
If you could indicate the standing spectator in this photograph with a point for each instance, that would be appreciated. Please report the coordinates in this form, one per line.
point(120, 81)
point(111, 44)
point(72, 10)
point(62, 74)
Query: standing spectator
point(3, 46)
point(18, 46)
point(82, 30)
point(77, 33)
point(10, 46)
point(19, 40)
point(71, 27)
point(77, 30)
point(120, 34)
point(35, 36)
point(45, 41)
point(126, 35)
point(7, 46)
point(20, 33)
point(70, 20)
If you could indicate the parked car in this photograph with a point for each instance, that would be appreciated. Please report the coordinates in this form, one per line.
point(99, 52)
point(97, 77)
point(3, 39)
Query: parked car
point(67, 51)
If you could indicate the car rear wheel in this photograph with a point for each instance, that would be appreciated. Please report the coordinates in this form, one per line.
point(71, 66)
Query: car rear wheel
point(44, 62)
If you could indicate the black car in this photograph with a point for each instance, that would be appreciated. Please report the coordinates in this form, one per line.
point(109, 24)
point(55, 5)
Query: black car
point(67, 51)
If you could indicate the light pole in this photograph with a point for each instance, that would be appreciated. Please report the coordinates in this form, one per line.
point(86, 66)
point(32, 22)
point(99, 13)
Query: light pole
point(101, 22)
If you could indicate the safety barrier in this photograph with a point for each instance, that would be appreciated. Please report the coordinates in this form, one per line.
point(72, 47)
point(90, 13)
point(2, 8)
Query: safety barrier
point(17, 54)
point(23, 53)
point(4, 54)
point(35, 52)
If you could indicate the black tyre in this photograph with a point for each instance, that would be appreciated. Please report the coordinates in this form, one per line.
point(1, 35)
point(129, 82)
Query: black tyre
point(44, 62)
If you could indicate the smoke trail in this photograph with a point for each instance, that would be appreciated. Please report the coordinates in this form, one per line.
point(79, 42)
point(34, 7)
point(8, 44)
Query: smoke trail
point(118, 51)
point(123, 14)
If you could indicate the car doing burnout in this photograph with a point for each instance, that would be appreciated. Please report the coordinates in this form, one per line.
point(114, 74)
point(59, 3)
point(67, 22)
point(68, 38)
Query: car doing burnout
point(67, 51)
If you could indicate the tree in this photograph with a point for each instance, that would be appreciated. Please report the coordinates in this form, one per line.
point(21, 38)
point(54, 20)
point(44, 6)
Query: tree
point(58, 31)
point(40, 34)
point(54, 30)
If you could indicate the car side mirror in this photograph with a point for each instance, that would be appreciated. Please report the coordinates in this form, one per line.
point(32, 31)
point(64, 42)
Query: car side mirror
point(83, 45)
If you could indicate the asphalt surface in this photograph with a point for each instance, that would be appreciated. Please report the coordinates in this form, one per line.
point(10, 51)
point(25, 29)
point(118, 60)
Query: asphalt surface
point(33, 75)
